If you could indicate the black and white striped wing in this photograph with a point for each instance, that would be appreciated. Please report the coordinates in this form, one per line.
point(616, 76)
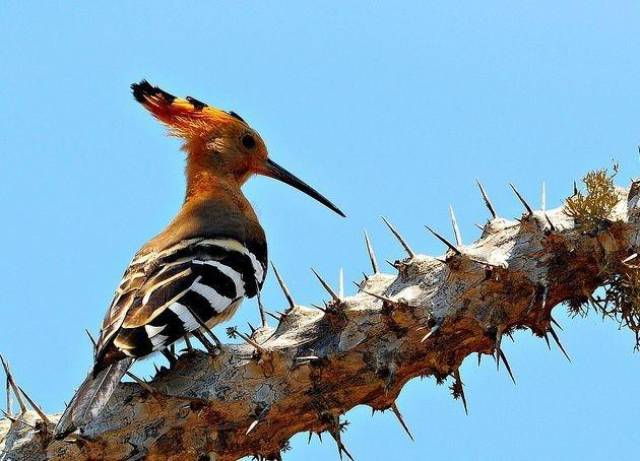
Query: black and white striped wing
point(166, 294)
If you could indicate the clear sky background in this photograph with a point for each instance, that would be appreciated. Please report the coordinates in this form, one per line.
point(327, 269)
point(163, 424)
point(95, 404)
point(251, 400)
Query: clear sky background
point(387, 108)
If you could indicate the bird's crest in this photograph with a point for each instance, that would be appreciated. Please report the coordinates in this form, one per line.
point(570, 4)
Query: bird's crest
point(186, 118)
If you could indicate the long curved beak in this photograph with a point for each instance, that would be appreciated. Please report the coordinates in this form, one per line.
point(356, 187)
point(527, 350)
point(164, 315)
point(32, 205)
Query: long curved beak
point(275, 171)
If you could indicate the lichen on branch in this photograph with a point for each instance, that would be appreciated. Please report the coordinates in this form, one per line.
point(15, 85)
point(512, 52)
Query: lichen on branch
point(591, 208)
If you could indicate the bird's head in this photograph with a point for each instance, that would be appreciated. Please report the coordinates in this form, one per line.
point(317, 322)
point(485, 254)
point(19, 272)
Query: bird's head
point(219, 144)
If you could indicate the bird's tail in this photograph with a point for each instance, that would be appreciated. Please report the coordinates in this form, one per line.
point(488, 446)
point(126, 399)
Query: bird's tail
point(91, 397)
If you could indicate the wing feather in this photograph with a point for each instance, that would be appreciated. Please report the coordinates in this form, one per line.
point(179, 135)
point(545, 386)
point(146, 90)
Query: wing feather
point(167, 293)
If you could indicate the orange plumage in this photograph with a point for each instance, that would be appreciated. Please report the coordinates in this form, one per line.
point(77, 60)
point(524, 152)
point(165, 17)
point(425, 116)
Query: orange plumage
point(188, 118)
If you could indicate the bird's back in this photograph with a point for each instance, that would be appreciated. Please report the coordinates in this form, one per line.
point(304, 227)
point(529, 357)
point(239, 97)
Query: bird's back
point(195, 272)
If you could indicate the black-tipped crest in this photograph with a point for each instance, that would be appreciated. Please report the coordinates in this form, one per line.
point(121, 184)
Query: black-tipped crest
point(197, 105)
point(144, 88)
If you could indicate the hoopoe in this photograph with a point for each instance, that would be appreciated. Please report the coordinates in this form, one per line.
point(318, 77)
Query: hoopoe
point(196, 272)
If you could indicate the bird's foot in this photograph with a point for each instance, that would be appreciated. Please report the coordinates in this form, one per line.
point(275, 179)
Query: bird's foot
point(213, 349)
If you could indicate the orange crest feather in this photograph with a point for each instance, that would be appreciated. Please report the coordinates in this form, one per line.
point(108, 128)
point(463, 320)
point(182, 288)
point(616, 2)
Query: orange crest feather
point(187, 118)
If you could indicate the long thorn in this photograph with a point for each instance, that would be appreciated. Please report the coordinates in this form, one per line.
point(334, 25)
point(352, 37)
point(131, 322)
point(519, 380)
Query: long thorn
point(396, 411)
point(506, 365)
point(551, 226)
point(554, 335)
point(142, 383)
point(375, 295)
point(522, 200)
point(575, 188)
point(8, 394)
point(307, 358)
point(487, 201)
point(546, 338)
point(319, 308)
point(16, 420)
point(326, 286)
point(34, 405)
point(13, 385)
point(402, 241)
point(555, 323)
point(93, 341)
point(456, 375)
point(479, 358)
point(255, 422)
point(251, 342)
point(450, 245)
point(372, 254)
point(169, 356)
point(9, 417)
point(456, 229)
point(252, 426)
point(341, 447)
point(273, 316)
point(283, 286)
point(431, 332)
point(498, 350)
point(391, 264)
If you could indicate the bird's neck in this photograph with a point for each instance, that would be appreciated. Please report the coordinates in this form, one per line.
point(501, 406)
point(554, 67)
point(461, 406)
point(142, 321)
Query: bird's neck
point(203, 183)
point(214, 207)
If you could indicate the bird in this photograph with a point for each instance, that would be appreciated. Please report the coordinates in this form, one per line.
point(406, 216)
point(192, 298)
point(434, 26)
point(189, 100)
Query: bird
point(196, 272)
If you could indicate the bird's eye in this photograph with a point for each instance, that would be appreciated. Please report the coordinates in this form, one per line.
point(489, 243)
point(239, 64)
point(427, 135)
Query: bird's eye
point(248, 141)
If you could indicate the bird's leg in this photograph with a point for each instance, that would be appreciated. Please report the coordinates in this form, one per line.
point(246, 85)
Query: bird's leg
point(263, 319)
point(199, 333)
point(211, 348)
point(187, 343)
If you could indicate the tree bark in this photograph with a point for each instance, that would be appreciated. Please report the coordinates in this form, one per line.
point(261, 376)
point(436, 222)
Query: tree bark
point(317, 363)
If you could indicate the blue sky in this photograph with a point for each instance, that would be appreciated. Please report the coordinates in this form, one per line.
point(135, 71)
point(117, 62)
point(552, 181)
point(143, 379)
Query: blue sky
point(387, 108)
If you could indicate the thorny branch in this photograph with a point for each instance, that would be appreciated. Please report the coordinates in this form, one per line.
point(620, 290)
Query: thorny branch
point(320, 362)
